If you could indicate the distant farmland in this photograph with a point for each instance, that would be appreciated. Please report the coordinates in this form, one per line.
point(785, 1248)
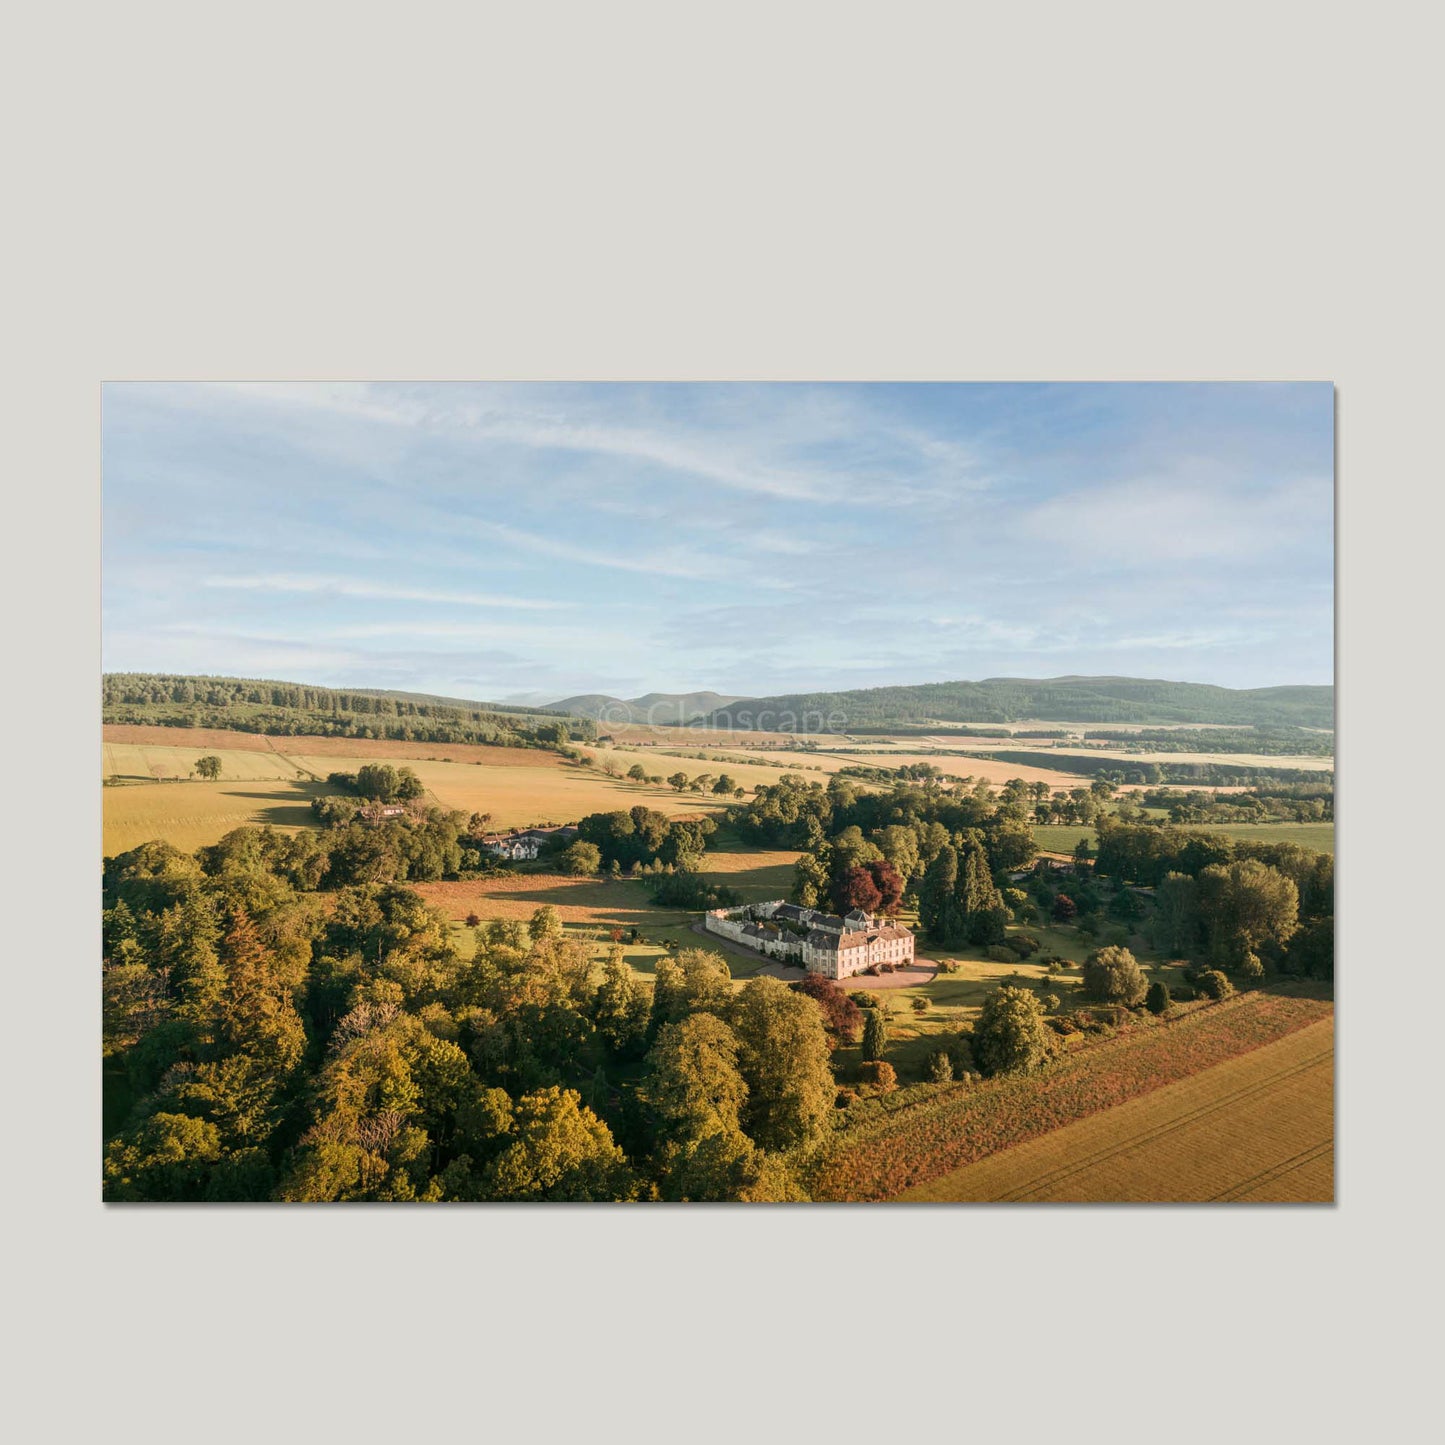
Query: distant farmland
point(1255, 1129)
point(265, 785)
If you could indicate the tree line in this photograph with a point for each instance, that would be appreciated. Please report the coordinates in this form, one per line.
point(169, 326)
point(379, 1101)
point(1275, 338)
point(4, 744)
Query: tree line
point(294, 709)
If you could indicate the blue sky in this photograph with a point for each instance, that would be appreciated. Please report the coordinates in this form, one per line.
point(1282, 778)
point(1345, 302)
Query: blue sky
point(534, 541)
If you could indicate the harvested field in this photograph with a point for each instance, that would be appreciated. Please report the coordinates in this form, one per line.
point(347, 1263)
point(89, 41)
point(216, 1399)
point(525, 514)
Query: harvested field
point(648, 737)
point(745, 772)
point(554, 791)
point(1259, 1128)
point(517, 786)
point(928, 1133)
point(957, 764)
point(144, 762)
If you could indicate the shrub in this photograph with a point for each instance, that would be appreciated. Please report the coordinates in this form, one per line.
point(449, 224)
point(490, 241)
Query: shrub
point(863, 998)
point(948, 965)
point(1055, 966)
point(1010, 1036)
point(1157, 1000)
point(885, 968)
point(1025, 945)
point(1000, 954)
point(1114, 974)
point(1250, 966)
point(939, 1069)
point(1050, 1001)
point(875, 1035)
point(1063, 1024)
point(919, 1005)
point(845, 1097)
point(960, 1055)
point(1065, 909)
point(1213, 984)
point(581, 859)
point(883, 1076)
point(473, 920)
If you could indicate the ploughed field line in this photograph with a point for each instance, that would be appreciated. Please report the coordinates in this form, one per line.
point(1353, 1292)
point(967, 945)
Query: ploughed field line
point(1256, 1127)
point(1272, 1175)
point(1159, 1131)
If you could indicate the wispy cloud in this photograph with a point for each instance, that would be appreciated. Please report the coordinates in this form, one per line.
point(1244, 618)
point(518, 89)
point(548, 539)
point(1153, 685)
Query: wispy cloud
point(672, 562)
point(521, 538)
point(379, 591)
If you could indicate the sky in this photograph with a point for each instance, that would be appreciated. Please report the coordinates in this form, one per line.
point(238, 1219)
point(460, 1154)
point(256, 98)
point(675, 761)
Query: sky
point(528, 542)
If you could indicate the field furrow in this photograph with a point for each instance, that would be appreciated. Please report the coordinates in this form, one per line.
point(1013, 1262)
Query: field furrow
point(1255, 1128)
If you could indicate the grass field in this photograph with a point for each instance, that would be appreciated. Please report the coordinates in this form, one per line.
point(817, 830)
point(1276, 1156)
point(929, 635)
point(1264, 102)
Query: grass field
point(1063, 837)
point(1254, 1129)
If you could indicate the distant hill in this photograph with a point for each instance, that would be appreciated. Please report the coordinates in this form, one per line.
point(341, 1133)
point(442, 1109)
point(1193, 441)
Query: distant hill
point(1056, 699)
point(465, 704)
point(663, 708)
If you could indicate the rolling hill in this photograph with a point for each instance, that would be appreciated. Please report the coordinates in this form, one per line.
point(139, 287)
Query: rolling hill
point(1058, 699)
point(664, 708)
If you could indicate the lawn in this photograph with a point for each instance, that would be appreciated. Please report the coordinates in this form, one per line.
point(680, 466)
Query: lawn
point(598, 905)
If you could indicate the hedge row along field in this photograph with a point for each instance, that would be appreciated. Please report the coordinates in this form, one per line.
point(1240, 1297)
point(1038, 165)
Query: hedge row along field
point(957, 1124)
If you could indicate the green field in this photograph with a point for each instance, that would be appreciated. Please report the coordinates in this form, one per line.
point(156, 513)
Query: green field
point(1063, 837)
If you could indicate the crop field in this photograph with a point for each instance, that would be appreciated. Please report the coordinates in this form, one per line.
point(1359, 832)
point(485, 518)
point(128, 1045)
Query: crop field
point(517, 786)
point(747, 772)
point(145, 762)
point(1254, 1129)
point(194, 741)
point(958, 764)
point(192, 815)
point(926, 1134)
point(646, 736)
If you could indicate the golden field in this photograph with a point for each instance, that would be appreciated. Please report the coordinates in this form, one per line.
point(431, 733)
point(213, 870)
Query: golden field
point(1257, 1128)
point(266, 785)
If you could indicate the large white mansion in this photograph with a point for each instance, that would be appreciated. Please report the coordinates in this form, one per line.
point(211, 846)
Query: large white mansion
point(836, 947)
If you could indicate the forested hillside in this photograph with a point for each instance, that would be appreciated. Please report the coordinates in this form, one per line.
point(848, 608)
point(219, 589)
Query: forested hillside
point(294, 709)
point(1059, 699)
